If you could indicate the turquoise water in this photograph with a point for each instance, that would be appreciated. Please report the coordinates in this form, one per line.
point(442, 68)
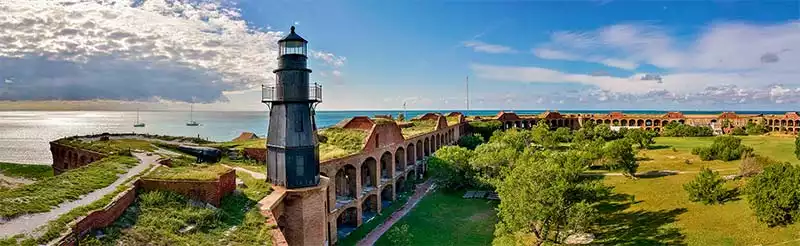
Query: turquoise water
point(24, 135)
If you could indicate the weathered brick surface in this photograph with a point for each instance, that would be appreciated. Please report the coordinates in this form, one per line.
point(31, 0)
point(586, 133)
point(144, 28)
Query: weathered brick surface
point(98, 218)
point(207, 191)
point(258, 154)
point(66, 157)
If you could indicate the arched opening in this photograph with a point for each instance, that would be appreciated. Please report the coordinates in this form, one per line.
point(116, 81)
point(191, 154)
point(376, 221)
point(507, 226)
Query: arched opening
point(400, 159)
point(410, 156)
point(427, 148)
point(368, 175)
point(400, 185)
point(345, 185)
point(615, 122)
point(419, 151)
point(623, 122)
point(640, 123)
point(347, 222)
point(656, 123)
point(664, 122)
point(387, 196)
point(681, 121)
point(648, 123)
point(607, 122)
point(369, 208)
point(386, 166)
point(412, 175)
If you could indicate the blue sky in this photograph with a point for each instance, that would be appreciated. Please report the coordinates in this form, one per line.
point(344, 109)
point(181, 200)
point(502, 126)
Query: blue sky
point(518, 55)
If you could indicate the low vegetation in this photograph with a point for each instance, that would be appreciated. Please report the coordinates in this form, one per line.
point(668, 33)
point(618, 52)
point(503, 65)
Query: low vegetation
point(470, 141)
point(775, 194)
point(251, 143)
point(707, 187)
point(484, 128)
point(725, 148)
point(340, 142)
point(675, 129)
point(419, 127)
point(27, 171)
point(110, 147)
point(194, 172)
point(619, 155)
point(453, 120)
point(42, 195)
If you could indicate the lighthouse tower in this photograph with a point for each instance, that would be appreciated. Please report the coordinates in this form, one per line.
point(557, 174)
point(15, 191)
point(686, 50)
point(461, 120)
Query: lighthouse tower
point(292, 146)
point(299, 193)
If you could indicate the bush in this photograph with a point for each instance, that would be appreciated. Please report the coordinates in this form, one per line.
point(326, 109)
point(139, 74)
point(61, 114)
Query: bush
point(641, 137)
point(753, 164)
point(675, 129)
point(707, 187)
point(450, 167)
point(725, 148)
point(738, 131)
point(485, 128)
point(470, 141)
point(619, 155)
point(774, 195)
point(755, 129)
point(797, 146)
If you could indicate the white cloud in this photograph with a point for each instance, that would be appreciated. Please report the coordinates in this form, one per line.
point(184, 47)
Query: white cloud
point(329, 58)
point(131, 50)
point(479, 46)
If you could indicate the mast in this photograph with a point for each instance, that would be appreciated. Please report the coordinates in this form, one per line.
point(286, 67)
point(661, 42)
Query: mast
point(137, 116)
point(467, 82)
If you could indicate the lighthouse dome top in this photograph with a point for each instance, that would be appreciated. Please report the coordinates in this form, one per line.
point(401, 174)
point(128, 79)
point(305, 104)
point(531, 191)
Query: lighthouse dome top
point(293, 37)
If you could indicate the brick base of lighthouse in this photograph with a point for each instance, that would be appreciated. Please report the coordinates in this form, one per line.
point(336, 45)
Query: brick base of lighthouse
point(302, 213)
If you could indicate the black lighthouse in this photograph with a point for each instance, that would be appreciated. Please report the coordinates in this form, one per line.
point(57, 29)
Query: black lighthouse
point(292, 146)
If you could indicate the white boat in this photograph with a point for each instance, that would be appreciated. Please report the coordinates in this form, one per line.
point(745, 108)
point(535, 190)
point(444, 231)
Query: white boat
point(191, 121)
point(138, 124)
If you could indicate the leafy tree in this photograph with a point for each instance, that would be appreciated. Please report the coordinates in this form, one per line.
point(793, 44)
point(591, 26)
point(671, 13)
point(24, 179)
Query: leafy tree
point(725, 148)
point(541, 135)
point(774, 195)
point(450, 167)
point(515, 138)
point(797, 146)
point(546, 196)
point(604, 131)
point(755, 129)
point(590, 149)
point(562, 134)
point(675, 129)
point(401, 117)
point(485, 128)
point(739, 131)
point(753, 164)
point(491, 162)
point(726, 123)
point(470, 141)
point(641, 137)
point(707, 187)
point(619, 155)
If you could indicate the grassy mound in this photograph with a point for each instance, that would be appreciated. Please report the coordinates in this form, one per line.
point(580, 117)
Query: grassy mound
point(419, 127)
point(340, 142)
point(194, 172)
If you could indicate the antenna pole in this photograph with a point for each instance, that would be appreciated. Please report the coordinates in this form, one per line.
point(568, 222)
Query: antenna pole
point(467, 82)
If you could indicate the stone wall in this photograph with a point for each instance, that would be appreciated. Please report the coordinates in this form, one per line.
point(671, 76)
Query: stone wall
point(207, 191)
point(66, 158)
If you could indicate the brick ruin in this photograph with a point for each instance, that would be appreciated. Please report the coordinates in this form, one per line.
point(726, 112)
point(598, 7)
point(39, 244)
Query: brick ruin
point(67, 157)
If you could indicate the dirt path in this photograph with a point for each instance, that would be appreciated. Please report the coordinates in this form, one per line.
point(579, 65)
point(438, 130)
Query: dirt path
point(376, 233)
point(15, 181)
point(29, 223)
point(658, 172)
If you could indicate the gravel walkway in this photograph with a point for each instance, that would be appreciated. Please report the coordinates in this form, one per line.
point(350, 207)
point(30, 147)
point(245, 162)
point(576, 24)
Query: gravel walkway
point(28, 223)
point(376, 233)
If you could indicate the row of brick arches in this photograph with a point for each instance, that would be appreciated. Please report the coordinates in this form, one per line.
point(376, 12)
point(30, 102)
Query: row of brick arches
point(361, 190)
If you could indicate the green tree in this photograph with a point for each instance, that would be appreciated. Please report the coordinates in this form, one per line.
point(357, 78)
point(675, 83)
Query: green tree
point(755, 129)
point(604, 131)
point(401, 117)
point(774, 194)
point(491, 162)
point(797, 146)
point(470, 141)
point(619, 155)
point(542, 135)
point(590, 149)
point(450, 167)
point(707, 187)
point(514, 138)
point(739, 131)
point(563, 135)
point(725, 148)
point(547, 198)
point(641, 137)
point(485, 128)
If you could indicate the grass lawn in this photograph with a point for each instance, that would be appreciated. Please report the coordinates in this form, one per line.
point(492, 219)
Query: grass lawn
point(443, 218)
point(340, 142)
point(42, 195)
point(657, 211)
point(34, 172)
point(196, 172)
point(419, 127)
point(365, 228)
point(112, 146)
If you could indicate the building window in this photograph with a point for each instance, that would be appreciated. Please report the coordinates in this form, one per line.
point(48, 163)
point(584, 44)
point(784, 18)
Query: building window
point(299, 165)
point(377, 140)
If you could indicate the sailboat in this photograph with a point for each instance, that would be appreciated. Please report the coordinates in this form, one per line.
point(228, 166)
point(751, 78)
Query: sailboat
point(138, 124)
point(191, 120)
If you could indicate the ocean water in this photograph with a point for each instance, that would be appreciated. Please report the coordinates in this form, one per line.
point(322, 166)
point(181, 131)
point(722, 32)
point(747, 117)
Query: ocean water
point(24, 135)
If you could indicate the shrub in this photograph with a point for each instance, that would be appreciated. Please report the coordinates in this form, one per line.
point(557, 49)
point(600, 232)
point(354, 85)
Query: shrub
point(738, 131)
point(774, 195)
point(675, 129)
point(485, 128)
point(470, 141)
point(619, 155)
point(641, 137)
point(753, 164)
point(707, 187)
point(755, 129)
point(797, 146)
point(450, 167)
point(725, 148)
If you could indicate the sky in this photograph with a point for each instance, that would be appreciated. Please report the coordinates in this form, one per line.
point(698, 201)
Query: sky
point(663, 55)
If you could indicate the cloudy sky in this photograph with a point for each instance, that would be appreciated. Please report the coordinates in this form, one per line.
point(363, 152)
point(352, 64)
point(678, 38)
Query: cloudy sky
point(378, 55)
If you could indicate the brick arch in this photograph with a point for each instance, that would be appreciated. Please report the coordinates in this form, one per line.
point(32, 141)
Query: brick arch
point(369, 207)
point(387, 193)
point(427, 147)
point(369, 174)
point(386, 162)
point(345, 183)
point(411, 156)
point(420, 151)
point(400, 159)
point(400, 185)
point(347, 221)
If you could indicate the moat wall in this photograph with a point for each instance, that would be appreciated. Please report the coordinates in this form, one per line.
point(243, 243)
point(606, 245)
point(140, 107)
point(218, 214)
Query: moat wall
point(208, 191)
point(66, 157)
